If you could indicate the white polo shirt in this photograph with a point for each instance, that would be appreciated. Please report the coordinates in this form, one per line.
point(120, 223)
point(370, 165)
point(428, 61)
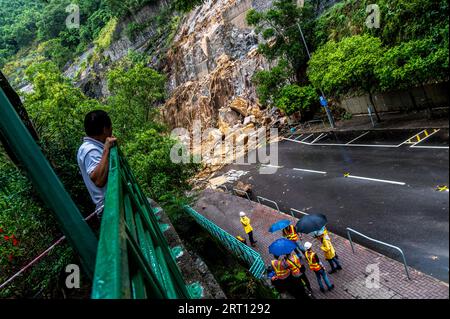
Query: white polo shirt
point(88, 157)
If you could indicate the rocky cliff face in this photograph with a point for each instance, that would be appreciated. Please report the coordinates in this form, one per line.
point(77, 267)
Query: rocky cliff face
point(210, 67)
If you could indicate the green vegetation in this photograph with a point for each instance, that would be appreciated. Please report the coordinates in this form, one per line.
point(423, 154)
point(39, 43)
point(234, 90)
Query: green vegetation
point(338, 67)
point(285, 85)
point(401, 20)
point(413, 37)
point(57, 110)
point(409, 49)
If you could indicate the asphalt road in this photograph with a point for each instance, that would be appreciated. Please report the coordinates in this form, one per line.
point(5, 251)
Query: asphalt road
point(401, 207)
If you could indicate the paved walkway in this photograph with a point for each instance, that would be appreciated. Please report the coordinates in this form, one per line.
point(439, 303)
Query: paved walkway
point(223, 209)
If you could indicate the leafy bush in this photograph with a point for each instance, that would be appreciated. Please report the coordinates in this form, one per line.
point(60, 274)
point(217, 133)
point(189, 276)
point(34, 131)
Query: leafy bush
point(186, 5)
point(412, 63)
point(338, 67)
point(401, 20)
point(293, 98)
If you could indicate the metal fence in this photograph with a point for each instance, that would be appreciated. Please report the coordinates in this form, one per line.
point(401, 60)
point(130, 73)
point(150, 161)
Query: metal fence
point(134, 260)
point(260, 198)
point(350, 230)
point(241, 250)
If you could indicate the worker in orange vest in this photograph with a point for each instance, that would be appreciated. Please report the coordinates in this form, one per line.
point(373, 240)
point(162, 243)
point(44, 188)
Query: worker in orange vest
point(316, 265)
point(298, 275)
point(291, 233)
point(245, 221)
point(281, 273)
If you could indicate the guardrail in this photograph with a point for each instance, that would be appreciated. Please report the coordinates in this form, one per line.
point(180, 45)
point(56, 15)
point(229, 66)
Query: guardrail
point(245, 253)
point(237, 191)
point(259, 198)
point(134, 260)
point(350, 230)
point(224, 187)
point(292, 210)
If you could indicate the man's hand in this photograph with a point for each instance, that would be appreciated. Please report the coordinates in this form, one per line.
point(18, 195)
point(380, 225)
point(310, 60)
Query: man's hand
point(110, 141)
point(100, 174)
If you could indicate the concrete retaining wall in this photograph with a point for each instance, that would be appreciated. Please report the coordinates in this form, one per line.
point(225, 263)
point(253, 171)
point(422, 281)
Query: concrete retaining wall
point(400, 100)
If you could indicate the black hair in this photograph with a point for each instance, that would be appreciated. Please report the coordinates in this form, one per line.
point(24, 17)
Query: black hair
point(95, 122)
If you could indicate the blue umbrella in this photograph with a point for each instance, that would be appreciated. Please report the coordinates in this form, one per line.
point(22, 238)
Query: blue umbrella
point(279, 225)
point(282, 246)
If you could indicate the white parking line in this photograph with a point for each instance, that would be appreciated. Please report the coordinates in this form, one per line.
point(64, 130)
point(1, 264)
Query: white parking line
point(309, 170)
point(435, 147)
point(298, 137)
point(274, 166)
point(307, 137)
point(376, 180)
point(357, 138)
point(322, 135)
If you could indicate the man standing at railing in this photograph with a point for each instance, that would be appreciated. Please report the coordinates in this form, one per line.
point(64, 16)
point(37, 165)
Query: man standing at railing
point(93, 155)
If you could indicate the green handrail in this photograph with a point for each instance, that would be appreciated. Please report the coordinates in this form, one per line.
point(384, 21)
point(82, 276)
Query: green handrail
point(134, 260)
point(241, 250)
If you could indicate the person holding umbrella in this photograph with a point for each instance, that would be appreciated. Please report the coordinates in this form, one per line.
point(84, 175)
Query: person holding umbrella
point(290, 233)
point(316, 265)
point(245, 221)
point(287, 270)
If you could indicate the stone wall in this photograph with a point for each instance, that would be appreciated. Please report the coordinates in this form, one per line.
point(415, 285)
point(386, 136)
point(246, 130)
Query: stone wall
point(401, 100)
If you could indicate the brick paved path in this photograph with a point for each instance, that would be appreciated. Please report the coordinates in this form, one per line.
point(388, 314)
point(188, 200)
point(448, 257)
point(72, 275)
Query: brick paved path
point(223, 209)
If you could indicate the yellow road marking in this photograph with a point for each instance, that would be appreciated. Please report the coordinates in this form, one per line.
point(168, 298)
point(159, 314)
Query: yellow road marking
point(346, 174)
point(442, 188)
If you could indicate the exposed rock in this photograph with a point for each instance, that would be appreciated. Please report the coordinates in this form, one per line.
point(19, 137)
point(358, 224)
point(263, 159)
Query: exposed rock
point(214, 56)
point(239, 105)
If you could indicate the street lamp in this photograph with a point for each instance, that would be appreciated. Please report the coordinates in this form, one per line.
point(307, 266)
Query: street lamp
point(323, 100)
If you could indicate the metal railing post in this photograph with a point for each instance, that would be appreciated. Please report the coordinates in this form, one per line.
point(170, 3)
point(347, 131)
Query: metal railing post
point(236, 191)
point(379, 242)
point(259, 198)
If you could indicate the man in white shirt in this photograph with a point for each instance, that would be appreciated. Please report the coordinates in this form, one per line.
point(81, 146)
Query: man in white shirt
point(93, 155)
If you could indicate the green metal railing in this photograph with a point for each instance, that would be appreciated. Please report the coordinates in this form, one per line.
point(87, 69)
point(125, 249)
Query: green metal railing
point(241, 250)
point(134, 260)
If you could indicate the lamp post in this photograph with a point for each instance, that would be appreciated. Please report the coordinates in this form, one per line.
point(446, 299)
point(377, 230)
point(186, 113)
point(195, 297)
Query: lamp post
point(323, 100)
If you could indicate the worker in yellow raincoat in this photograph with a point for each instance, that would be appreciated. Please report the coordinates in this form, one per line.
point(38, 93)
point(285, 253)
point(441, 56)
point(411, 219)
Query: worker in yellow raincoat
point(329, 252)
point(245, 221)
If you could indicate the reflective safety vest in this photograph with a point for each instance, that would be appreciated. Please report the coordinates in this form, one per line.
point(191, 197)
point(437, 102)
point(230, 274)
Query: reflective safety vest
point(281, 271)
point(294, 265)
point(290, 233)
point(314, 266)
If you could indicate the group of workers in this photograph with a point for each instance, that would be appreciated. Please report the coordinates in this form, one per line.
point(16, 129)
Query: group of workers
point(288, 272)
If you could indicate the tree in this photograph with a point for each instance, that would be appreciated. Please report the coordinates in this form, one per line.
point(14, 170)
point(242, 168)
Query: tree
point(57, 110)
point(411, 64)
point(338, 67)
point(268, 83)
point(279, 28)
point(134, 93)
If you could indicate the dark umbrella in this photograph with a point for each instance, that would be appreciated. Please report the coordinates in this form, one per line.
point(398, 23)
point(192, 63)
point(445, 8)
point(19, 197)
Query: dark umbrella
point(282, 246)
point(279, 225)
point(310, 223)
